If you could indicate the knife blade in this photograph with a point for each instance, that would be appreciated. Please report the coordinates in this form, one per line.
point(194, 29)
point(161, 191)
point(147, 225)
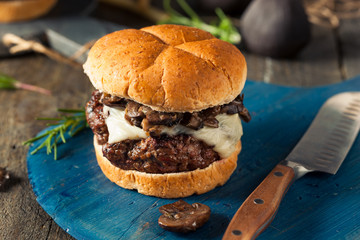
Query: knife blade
point(64, 45)
point(323, 148)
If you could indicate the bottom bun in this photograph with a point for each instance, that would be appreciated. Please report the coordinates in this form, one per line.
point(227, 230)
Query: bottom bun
point(170, 185)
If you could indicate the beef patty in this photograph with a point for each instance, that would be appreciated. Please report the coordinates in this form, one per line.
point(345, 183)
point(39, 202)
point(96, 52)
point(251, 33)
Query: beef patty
point(162, 154)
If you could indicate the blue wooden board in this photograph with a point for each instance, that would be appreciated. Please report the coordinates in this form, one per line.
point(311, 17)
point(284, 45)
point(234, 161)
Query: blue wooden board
point(75, 193)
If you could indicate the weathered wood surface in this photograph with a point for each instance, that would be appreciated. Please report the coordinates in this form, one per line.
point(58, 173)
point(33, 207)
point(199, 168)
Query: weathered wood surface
point(332, 56)
point(317, 63)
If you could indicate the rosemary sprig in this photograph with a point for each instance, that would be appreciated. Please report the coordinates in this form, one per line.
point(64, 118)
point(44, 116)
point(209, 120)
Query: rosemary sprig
point(224, 30)
point(72, 121)
point(7, 82)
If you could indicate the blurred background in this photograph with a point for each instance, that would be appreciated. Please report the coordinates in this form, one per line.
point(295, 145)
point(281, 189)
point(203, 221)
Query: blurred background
point(272, 33)
point(43, 44)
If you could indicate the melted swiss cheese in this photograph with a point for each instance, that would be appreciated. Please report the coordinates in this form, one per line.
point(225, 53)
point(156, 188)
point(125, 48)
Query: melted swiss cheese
point(224, 138)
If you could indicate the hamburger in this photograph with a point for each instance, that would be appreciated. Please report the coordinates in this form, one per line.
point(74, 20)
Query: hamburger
point(167, 109)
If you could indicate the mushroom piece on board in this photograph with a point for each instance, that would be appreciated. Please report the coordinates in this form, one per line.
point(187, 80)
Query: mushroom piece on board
point(183, 217)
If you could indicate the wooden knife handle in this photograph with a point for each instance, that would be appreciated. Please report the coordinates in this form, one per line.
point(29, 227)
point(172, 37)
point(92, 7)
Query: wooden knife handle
point(259, 209)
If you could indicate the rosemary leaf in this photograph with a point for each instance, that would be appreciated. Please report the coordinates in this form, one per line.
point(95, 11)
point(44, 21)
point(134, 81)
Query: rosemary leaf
point(49, 145)
point(72, 123)
point(7, 82)
point(224, 29)
point(55, 150)
point(62, 135)
point(189, 11)
point(71, 110)
point(79, 129)
point(36, 138)
point(39, 147)
point(73, 127)
point(49, 119)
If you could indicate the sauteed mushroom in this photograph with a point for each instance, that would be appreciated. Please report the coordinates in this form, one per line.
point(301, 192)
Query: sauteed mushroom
point(183, 217)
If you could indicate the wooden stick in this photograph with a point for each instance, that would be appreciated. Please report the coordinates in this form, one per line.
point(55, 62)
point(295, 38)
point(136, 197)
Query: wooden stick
point(82, 50)
point(21, 44)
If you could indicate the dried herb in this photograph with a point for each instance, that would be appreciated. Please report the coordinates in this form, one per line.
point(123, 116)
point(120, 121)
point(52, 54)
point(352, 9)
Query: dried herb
point(7, 82)
point(71, 122)
point(223, 30)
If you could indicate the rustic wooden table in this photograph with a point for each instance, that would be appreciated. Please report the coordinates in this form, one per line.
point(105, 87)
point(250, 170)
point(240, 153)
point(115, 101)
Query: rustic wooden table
point(332, 56)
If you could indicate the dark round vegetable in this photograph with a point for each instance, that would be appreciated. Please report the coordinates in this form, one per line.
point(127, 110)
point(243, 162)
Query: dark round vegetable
point(183, 217)
point(275, 28)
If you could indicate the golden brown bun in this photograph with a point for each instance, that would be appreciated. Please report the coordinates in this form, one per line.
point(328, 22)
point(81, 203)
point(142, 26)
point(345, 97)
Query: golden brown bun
point(20, 10)
point(167, 67)
point(170, 185)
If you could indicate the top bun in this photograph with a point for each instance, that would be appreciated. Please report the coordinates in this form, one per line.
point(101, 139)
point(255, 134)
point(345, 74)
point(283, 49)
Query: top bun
point(169, 68)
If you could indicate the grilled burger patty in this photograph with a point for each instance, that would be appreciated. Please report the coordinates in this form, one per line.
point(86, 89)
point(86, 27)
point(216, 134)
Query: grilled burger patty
point(162, 154)
point(158, 153)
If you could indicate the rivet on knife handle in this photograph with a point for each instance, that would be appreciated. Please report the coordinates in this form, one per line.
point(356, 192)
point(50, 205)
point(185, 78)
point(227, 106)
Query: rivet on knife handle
point(260, 207)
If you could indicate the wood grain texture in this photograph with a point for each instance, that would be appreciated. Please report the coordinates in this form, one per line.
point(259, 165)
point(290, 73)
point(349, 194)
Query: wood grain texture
point(260, 208)
point(317, 64)
point(21, 217)
point(348, 37)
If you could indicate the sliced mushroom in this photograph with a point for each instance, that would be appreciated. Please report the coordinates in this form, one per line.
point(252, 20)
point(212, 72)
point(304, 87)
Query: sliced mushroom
point(192, 120)
point(238, 107)
point(163, 118)
point(154, 130)
point(133, 115)
point(211, 122)
point(113, 101)
point(183, 217)
point(245, 115)
point(230, 108)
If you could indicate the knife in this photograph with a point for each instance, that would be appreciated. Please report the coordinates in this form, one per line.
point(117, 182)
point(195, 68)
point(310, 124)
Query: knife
point(323, 148)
